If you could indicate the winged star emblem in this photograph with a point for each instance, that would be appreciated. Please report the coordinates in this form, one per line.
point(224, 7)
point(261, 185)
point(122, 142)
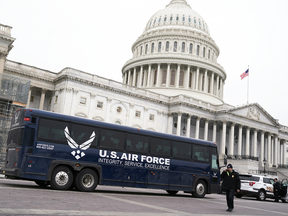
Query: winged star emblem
point(78, 152)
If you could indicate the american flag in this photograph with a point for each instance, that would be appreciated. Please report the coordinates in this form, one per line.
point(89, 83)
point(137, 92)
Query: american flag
point(246, 73)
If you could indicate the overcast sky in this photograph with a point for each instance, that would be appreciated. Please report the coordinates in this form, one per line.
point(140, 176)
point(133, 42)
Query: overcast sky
point(96, 36)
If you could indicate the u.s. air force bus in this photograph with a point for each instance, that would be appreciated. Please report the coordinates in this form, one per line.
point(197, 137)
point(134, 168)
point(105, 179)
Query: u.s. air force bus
point(59, 150)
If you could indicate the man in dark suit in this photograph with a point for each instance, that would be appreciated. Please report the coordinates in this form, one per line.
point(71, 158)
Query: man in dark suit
point(276, 186)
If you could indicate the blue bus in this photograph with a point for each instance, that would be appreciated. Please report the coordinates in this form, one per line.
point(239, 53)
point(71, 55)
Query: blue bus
point(66, 151)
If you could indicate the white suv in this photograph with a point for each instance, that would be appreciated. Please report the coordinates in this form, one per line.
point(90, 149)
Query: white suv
point(257, 186)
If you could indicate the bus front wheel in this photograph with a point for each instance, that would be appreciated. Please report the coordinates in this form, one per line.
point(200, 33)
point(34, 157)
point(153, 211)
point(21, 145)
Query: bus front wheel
point(200, 189)
point(62, 178)
point(86, 180)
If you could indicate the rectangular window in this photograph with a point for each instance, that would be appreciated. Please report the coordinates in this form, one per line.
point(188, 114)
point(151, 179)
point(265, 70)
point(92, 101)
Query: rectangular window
point(53, 131)
point(32, 99)
point(82, 100)
point(112, 139)
point(99, 104)
point(164, 77)
point(181, 150)
point(50, 100)
point(84, 135)
point(56, 98)
point(138, 114)
point(160, 147)
point(15, 137)
point(151, 117)
point(200, 153)
point(137, 143)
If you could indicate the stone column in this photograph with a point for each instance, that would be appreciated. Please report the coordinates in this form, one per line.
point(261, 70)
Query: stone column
point(217, 85)
point(206, 129)
point(42, 99)
point(221, 88)
point(212, 84)
point(134, 77)
point(247, 148)
point(255, 143)
point(276, 155)
point(197, 79)
point(188, 125)
point(149, 76)
point(168, 76)
point(261, 158)
point(223, 143)
point(197, 127)
point(269, 150)
point(284, 153)
point(177, 76)
point(170, 123)
point(129, 77)
point(29, 97)
point(205, 81)
point(179, 123)
point(214, 131)
point(231, 140)
point(141, 77)
point(2, 62)
point(158, 76)
point(240, 140)
point(186, 86)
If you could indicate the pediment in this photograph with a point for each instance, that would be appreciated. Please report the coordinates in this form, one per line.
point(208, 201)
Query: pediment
point(254, 112)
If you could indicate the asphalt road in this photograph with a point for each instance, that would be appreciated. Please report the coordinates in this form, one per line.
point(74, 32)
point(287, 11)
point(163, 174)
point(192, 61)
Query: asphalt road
point(26, 198)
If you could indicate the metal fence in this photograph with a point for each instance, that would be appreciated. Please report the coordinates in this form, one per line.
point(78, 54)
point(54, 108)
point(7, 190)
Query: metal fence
point(13, 96)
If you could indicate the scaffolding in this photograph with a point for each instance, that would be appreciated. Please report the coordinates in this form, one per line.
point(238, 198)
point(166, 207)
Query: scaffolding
point(13, 96)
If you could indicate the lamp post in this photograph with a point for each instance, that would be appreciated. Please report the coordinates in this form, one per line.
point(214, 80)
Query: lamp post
point(264, 162)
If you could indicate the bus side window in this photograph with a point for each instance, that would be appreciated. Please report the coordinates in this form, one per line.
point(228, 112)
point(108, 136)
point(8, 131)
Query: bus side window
point(82, 134)
point(181, 150)
point(160, 147)
point(201, 153)
point(137, 143)
point(112, 139)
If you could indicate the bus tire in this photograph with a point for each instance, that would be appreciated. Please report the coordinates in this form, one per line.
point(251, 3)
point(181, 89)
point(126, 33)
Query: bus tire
point(86, 180)
point(42, 184)
point(200, 189)
point(172, 192)
point(62, 178)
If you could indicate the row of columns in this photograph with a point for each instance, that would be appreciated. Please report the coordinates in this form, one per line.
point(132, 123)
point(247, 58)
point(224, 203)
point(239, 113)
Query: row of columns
point(42, 99)
point(200, 81)
point(272, 149)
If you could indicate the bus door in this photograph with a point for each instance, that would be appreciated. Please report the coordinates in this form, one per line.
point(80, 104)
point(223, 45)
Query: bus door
point(214, 173)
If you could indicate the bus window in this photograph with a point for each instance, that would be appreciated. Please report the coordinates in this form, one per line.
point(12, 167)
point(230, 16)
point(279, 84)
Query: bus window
point(112, 139)
point(29, 136)
point(52, 130)
point(82, 134)
point(215, 162)
point(160, 147)
point(137, 143)
point(15, 137)
point(181, 150)
point(201, 153)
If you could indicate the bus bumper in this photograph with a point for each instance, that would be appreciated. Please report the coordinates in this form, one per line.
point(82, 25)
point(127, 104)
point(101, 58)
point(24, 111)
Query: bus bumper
point(10, 171)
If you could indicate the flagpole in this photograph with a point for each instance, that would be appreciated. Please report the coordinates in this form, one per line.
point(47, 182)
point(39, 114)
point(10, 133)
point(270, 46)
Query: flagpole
point(248, 86)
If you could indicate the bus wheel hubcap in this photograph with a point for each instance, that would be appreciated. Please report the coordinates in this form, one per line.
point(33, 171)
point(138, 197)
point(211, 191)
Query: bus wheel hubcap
point(87, 180)
point(200, 189)
point(62, 178)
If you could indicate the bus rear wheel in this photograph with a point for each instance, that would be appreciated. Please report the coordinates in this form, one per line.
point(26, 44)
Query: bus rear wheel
point(62, 178)
point(86, 180)
point(171, 192)
point(200, 189)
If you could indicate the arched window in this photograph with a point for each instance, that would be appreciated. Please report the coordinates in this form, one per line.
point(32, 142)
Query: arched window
point(155, 77)
point(165, 19)
point(175, 47)
point(194, 20)
point(190, 48)
point(172, 80)
point(167, 46)
point(146, 49)
point(203, 82)
point(159, 46)
point(204, 50)
point(181, 79)
point(199, 23)
point(208, 54)
point(198, 50)
point(171, 18)
point(159, 20)
point(189, 20)
point(142, 81)
point(164, 76)
point(209, 81)
point(152, 48)
point(177, 18)
point(154, 21)
point(183, 19)
point(141, 50)
point(183, 47)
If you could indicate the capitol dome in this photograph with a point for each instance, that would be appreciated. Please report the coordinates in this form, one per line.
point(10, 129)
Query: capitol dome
point(177, 14)
point(175, 55)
